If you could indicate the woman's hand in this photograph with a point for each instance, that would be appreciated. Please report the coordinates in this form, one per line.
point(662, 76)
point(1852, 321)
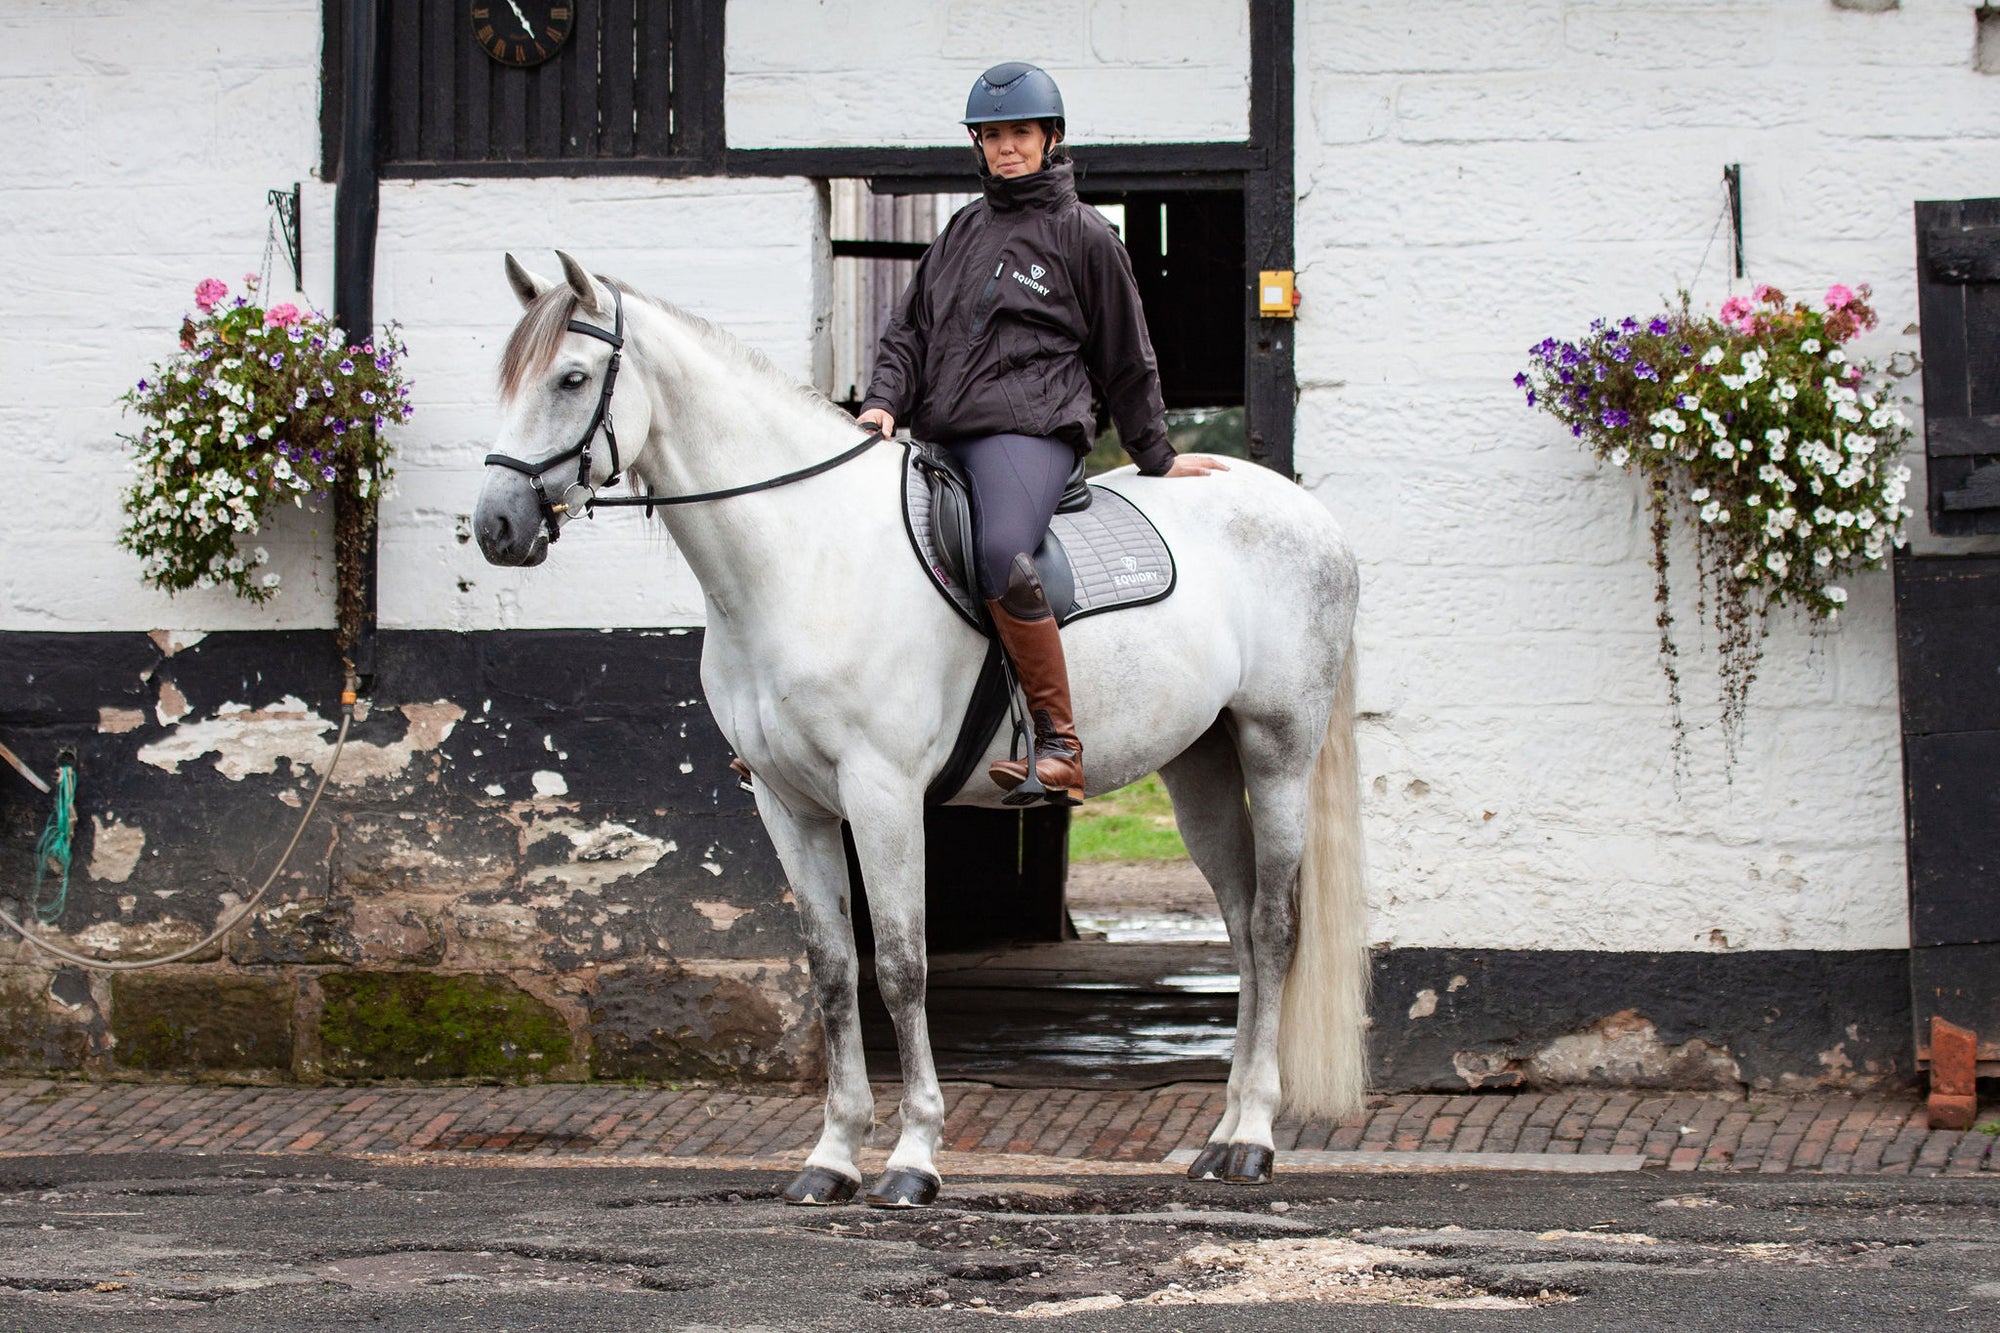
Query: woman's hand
point(879, 420)
point(1195, 465)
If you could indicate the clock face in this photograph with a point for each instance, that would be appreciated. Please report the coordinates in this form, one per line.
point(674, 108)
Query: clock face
point(521, 32)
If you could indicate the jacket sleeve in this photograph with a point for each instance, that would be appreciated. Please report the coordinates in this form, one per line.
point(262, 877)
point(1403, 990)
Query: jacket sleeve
point(898, 382)
point(1118, 352)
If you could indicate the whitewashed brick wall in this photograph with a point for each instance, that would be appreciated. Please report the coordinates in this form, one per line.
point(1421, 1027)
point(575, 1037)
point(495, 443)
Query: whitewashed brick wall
point(872, 72)
point(140, 141)
point(1473, 177)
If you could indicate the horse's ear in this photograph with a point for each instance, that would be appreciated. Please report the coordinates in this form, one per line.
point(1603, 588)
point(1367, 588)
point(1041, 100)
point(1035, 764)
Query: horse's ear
point(591, 294)
point(527, 286)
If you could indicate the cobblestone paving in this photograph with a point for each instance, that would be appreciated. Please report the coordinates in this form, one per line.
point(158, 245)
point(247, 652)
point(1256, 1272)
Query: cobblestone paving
point(1828, 1135)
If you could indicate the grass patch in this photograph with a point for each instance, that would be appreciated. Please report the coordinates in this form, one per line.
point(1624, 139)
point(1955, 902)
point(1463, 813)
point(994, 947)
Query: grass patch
point(1134, 823)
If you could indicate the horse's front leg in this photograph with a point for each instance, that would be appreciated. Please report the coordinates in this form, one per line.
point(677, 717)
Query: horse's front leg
point(810, 850)
point(887, 816)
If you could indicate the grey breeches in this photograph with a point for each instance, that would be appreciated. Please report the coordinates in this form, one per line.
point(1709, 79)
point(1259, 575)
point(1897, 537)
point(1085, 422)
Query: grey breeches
point(1016, 483)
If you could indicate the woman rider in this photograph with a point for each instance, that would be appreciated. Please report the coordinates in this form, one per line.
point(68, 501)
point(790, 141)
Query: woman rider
point(1022, 305)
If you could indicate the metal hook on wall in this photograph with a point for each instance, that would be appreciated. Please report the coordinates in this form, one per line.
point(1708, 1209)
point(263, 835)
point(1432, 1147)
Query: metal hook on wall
point(1732, 185)
point(286, 204)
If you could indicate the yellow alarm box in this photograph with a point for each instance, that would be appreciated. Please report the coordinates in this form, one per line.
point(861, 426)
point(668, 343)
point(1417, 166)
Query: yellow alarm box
point(1276, 293)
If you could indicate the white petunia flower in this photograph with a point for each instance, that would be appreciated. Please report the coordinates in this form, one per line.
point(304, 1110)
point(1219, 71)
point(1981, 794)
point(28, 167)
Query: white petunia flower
point(1835, 593)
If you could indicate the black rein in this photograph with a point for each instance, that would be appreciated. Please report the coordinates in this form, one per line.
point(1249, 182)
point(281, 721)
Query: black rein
point(588, 500)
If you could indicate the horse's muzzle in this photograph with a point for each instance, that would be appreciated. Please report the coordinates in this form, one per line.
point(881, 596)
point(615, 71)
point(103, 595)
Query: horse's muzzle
point(504, 540)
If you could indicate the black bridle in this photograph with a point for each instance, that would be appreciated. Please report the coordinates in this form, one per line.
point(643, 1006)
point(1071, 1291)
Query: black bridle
point(581, 496)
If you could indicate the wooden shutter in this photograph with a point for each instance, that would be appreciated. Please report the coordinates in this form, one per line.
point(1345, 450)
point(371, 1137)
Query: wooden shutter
point(1958, 297)
point(636, 88)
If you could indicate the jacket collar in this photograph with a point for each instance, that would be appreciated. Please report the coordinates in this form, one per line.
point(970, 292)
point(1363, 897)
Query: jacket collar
point(1049, 188)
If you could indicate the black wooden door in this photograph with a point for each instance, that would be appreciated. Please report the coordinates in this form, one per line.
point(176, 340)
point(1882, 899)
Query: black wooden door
point(1948, 634)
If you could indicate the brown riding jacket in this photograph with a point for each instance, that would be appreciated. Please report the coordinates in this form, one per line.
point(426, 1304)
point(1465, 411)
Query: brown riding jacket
point(1021, 305)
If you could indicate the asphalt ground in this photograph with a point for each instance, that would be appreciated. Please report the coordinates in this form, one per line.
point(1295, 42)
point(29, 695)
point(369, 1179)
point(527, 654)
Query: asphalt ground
point(140, 1241)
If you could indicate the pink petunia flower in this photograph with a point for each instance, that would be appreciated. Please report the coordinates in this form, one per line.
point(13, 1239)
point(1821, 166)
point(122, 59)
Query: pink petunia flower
point(208, 292)
point(250, 281)
point(1762, 292)
point(1736, 311)
point(281, 316)
point(1839, 297)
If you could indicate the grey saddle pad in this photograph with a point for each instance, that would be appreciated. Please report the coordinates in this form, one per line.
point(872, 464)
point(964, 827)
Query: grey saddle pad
point(1114, 555)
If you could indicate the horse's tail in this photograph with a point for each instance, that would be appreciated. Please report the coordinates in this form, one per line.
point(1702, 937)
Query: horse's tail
point(1322, 1044)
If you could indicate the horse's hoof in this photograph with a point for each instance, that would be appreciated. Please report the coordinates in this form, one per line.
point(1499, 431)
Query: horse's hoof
point(1208, 1162)
point(900, 1187)
point(818, 1187)
point(1249, 1164)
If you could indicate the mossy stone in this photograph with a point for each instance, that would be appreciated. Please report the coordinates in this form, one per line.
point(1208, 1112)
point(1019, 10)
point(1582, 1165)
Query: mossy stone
point(201, 1023)
point(426, 1025)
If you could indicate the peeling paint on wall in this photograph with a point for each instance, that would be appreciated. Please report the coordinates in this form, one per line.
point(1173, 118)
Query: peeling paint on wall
point(247, 740)
point(118, 721)
point(598, 855)
point(721, 916)
point(114, 849)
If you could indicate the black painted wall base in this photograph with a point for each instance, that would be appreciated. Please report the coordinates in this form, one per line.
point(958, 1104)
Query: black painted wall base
point(1792, 1019)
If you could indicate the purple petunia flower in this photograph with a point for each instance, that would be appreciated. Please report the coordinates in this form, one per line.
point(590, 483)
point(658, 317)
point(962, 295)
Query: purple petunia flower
point(142, 386)
point(1520, 382)
point(367, 395)
point(1645, 372)
point(1566, 376)
point(1628, 324)
point(1621, 353)
point(1659, 328)
point(346, 367)
point(1615, 417)
point(1576, 430)
point(327, 472)
point(1531, 398)
point(338, 426)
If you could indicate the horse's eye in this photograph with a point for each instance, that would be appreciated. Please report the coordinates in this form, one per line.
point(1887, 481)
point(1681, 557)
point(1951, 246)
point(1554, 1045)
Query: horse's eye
point(576, 379)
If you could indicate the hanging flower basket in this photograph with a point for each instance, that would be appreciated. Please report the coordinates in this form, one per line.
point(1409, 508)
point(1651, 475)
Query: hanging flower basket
point(260, 407)
point(1758, 429)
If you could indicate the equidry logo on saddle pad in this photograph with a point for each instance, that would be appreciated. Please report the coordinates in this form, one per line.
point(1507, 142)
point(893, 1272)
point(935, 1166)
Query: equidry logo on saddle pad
point(1133, 574)
point(1029, 282)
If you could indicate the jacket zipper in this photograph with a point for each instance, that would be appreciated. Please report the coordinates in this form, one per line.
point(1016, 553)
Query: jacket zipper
point(986, 298)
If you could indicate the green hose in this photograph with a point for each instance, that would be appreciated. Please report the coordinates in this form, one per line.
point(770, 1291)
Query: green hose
point(52, 850)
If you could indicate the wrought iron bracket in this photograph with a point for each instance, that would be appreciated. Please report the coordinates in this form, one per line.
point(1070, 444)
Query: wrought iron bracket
point(1732, 185)
point(286, 204)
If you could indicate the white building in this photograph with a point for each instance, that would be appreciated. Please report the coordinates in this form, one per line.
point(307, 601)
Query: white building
point(1451, 181)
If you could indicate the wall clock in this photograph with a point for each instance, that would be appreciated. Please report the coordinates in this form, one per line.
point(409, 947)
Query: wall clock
point(521, 32)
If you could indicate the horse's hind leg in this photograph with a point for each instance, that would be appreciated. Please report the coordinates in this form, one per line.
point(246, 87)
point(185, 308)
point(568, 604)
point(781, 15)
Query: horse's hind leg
point(1206, 783)
point(1276, 752)
point(816, 865)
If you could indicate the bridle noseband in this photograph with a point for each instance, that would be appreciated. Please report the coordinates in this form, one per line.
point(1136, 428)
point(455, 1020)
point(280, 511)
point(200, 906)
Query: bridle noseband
point(581, 496)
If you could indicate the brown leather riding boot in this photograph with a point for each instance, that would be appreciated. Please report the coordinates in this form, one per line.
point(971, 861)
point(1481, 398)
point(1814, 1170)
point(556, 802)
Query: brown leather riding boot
point(1028, 633)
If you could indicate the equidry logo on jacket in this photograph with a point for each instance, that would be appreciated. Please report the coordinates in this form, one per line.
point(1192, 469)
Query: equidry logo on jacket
point(1030, 283)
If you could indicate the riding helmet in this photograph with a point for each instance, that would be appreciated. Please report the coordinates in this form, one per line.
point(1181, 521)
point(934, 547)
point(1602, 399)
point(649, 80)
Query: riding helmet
point(1015, 90)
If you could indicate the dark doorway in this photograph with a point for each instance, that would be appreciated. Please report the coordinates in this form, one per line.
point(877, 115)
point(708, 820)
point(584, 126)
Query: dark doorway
point(1187, 255)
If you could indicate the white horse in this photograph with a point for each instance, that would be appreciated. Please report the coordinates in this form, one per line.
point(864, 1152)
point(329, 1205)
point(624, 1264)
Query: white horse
point(841, 677)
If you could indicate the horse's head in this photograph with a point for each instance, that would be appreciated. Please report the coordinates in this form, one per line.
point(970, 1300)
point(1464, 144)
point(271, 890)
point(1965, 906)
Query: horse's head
point(563, 433)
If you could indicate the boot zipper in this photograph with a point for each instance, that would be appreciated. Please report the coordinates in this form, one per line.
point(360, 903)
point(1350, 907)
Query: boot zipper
point(986, 298)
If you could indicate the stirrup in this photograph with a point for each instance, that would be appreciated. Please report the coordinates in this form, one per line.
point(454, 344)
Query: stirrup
point(1030, 791)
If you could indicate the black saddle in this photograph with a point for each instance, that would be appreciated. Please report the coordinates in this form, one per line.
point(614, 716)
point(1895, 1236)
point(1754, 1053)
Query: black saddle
point(1101, 553)
point(957, 541)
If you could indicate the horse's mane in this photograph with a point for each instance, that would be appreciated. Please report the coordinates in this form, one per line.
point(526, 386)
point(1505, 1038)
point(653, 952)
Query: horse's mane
point(545, 323)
